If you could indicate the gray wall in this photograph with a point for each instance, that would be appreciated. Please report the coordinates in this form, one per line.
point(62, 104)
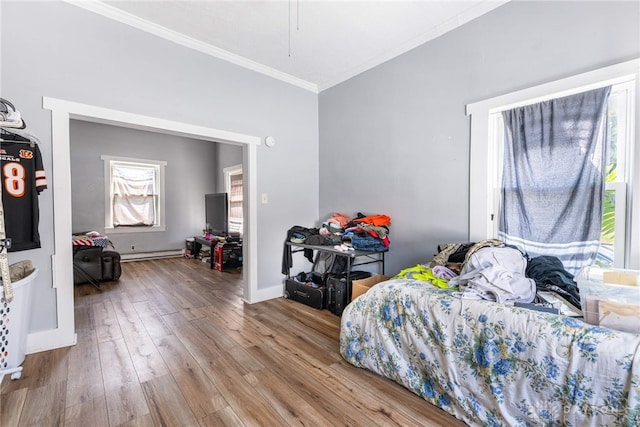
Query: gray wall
point(394, 140)
point(401, 131)
point(191, 172)
point(58, 50)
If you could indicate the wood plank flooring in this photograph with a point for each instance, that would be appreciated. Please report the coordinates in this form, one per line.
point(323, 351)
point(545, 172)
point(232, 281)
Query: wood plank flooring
point(172, 344)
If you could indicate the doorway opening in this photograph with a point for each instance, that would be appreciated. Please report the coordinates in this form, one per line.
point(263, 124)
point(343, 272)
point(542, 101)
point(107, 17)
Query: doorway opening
point(61, 113)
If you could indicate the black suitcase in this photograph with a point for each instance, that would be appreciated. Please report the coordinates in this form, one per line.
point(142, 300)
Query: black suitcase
point(339, 291)
point(306, 294)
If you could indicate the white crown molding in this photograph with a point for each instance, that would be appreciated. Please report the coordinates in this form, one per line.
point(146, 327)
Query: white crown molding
point(119, 15)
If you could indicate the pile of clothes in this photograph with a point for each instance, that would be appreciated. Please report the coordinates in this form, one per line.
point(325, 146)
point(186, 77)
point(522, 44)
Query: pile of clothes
point(368, 233)
point(494, 271)
point(362, 232)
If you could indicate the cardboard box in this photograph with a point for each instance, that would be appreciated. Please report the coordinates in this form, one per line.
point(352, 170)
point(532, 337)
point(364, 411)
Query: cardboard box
point(610, 298)
point(359, 287)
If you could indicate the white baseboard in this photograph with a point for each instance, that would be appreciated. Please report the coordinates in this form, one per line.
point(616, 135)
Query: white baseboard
point(265, 294)
point(49, 340)
point(139, 256)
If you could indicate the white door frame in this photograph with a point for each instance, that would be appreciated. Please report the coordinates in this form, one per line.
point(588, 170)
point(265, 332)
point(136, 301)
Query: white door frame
point(61, 113)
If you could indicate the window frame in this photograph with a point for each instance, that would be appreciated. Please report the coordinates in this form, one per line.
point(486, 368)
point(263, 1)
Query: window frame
point(159, 168)
point(484, 151)
point(228, 173)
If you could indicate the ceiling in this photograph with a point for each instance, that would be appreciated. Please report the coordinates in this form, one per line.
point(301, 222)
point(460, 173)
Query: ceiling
point(310, 43)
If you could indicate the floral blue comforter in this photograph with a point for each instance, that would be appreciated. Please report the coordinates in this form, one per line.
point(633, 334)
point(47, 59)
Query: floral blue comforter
point(493, 364)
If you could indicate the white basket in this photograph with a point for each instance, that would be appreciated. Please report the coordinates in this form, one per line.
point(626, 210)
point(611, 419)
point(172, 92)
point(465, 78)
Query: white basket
point(14, 325)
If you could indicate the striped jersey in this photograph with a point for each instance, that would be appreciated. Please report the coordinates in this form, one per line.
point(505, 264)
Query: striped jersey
point(23, 179)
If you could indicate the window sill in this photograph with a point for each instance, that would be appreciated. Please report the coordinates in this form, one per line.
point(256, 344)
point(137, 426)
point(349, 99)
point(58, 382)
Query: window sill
point(126, 230)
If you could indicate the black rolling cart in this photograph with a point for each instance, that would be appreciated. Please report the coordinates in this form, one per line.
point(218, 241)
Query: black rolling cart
point(336, 293)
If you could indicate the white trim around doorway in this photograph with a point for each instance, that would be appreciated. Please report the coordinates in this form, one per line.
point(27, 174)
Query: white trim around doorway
point(62, 112)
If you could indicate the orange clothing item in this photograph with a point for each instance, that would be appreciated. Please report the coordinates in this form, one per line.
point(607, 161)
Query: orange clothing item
point(339, 218)
point(377, 220)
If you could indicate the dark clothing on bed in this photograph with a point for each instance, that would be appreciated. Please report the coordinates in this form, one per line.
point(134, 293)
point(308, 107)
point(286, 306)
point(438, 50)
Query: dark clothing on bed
point(550, 275)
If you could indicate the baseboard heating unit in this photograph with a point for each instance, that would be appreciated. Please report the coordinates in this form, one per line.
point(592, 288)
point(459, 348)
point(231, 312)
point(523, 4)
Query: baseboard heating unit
point(144, 256)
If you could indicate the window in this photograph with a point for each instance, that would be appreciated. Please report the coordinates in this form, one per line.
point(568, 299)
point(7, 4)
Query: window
point(620, 238)
point(134, 192)
point(615, 219)
point(233, 187)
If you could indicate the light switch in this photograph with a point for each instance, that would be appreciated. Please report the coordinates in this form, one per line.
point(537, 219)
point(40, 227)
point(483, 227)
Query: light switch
point(264, 198)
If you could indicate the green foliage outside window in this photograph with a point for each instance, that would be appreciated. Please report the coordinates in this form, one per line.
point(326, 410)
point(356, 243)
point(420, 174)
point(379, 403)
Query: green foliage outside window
point(607, 235)
point(609, 210)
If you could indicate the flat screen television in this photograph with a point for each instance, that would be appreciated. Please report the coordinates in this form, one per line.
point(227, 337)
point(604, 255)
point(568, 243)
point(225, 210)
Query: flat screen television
point(216, 213)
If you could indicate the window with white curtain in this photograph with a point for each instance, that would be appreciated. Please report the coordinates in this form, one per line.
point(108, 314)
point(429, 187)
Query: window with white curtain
point(133, 194)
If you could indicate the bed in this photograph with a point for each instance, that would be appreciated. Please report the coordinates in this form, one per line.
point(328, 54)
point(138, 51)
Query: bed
point(489, 363)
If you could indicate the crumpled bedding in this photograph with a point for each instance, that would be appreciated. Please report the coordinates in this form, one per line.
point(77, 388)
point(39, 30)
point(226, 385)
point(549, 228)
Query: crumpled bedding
point(488, 363)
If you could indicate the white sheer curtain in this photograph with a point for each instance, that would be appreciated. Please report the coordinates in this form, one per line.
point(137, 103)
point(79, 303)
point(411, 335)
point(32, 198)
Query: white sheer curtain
point(134, 196)
point(553, 177)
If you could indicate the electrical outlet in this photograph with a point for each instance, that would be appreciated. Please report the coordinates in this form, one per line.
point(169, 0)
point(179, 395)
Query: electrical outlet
point(133, 248)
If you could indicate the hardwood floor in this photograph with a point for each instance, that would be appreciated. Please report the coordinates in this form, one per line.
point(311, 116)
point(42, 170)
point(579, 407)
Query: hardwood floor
point(172, 344)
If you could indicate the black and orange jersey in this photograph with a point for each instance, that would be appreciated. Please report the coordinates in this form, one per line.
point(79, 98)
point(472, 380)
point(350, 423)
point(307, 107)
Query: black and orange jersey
point(23, 179)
